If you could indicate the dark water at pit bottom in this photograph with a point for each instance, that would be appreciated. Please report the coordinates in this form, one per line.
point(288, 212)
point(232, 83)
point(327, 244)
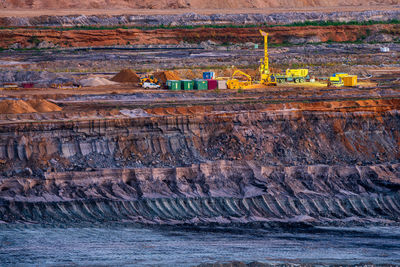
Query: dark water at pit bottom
point(129, 245)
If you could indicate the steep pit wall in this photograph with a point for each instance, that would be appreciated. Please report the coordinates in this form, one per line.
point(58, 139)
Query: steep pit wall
point(91, 38)
point(290, 136)
point(175, 4)
point(332, 164)
point(218, 192)
point(24, 18)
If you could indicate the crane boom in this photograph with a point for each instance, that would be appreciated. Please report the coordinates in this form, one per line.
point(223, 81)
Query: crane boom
point(265, 61)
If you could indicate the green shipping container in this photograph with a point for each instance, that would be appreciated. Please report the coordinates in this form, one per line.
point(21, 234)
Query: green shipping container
point(174, 85)
point(200, 85)
point(187, 85)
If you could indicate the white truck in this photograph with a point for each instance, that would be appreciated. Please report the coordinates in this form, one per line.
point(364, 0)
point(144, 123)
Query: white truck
point(150, 85)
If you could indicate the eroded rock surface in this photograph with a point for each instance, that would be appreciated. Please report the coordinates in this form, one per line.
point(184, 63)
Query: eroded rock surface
point(199, 19)
point(326, 162)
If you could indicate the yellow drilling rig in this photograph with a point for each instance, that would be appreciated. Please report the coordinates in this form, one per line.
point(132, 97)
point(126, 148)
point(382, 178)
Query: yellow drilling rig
point(266, 77)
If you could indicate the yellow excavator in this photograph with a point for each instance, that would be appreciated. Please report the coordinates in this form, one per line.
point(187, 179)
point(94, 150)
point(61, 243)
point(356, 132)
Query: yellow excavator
point(266, 77)
point(149, 79)
point(234, 83)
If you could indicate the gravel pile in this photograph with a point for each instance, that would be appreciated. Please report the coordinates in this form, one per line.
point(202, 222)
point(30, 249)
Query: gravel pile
point(95, 81)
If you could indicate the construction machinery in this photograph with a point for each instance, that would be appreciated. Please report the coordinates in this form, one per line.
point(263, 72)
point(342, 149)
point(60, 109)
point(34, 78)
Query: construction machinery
point(337, 78)
point(234, 83)
point(149, 79)
point(266, 77)
point(293, 75)
point(270, 79)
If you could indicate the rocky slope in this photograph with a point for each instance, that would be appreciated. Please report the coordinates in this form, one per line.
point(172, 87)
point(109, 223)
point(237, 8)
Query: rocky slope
point(172, 4)
point(281, 18)
point(322, 163)
point(41, 38)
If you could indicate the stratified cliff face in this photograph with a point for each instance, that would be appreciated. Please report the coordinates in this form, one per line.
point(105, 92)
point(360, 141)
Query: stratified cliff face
point(328, 162)
point(173, 4)
point(93, 38)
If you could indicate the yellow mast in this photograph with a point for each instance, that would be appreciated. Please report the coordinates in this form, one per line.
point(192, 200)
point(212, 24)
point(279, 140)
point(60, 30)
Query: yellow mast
point(265, 63)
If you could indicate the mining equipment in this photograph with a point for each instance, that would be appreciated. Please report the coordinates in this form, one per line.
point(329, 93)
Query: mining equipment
point(293, 75)
point(149, 79)
point(234, 83)
point(337, 78)
point(266, 77)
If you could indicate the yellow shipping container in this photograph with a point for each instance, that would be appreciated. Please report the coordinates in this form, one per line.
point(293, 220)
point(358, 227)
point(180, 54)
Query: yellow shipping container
point(350, 80)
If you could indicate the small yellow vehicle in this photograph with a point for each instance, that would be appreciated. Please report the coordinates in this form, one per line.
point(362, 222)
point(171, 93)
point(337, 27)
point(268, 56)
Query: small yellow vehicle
point(149, 79)
point(234, 83)
point(337, 78)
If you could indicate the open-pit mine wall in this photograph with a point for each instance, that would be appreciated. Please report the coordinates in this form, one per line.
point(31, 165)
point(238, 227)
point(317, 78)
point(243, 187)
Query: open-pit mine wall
point(104, 30)
point(175, 4)
point(304, 162)
point(190, 18)
point(22, 37)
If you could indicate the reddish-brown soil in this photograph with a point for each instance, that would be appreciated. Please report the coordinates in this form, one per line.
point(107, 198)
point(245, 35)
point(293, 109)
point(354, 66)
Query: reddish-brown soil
point(41, 105)
point(30, 106)
point(378, 105)
point(77, 38)
point(163, 76)
point(126, 76)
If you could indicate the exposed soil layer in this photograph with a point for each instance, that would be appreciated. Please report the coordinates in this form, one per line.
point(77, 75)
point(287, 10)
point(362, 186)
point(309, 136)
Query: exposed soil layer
point(112, 17)
point(174, 4)
point(85, 38)
point(30, 106)
point(242, 158)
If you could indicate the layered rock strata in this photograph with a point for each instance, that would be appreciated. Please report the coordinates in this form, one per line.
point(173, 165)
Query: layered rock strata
point(315, 164)
point(108, 37)
point(199, 19)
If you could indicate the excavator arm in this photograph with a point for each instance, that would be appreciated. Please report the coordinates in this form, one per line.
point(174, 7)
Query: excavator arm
point(239, 72)
point(234, 83)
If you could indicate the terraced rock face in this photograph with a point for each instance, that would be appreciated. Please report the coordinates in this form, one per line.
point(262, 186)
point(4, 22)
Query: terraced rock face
point(174, 4)
point(324, 162)
point(110, 37)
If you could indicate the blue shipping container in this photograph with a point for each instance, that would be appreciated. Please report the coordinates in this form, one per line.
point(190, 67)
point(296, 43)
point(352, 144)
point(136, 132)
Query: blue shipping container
point(207, 75)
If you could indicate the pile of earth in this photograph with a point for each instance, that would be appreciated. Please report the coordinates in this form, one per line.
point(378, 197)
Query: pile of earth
point(95, 81)
point(164, 76)
point(126, 76)
point(29, 106)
